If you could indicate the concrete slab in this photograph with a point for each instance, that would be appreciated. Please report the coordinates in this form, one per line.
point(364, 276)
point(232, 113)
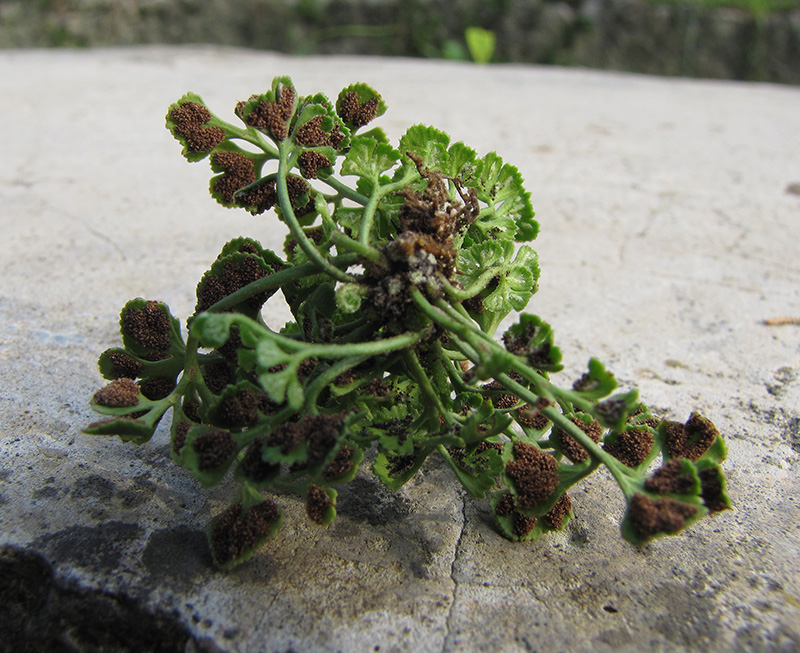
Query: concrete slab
point(670, 231)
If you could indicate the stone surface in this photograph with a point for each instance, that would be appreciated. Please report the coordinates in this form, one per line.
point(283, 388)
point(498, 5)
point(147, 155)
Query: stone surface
point(669, 234)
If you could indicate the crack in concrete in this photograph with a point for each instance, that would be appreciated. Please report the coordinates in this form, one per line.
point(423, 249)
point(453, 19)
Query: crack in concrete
point(89, 228)
point(456, 550)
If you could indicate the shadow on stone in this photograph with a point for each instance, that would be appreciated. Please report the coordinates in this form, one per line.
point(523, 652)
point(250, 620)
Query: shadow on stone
point(179, 554)
point(98, 547)
point(41, 613)
point(367, 500)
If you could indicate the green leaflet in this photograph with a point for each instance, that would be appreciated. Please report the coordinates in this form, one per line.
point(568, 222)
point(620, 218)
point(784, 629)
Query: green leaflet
point(533, 339)
point(614, 411)
point(208, 453)
point(198, 134)
point(457, 162)
point(650, 516)
point(461, 162)
point(349, 218)
point(484, 423)
point(149, 330)
point(252, 514)
point(503, 281)
point(229, 273)
point(331, 124)
point(277, 374)
point(128, 429)
point(500, 186)
point(117, 362)
point(597, 382)
point(713, 486)
point(212, 329)
point(366, 96)
point(479, 258)
point(512, 523)
point(376, 133)
point(328, 514)
point(428, 144)
point(476, 471)
point(356, 458)
point(394, 471)
point(349, 297)
point(253, 111)
point(237, 169)
point(516, 282)
point(250, 245)
point(369, 158)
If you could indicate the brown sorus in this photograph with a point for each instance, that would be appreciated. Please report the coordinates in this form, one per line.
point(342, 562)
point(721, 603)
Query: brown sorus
point(632, 446)
point(149, 326)
point(317, 504)
point(190, 119)
point(120, 393)
point(534, 474)
point(235, 532)
point(213, 449)
point(650, 517)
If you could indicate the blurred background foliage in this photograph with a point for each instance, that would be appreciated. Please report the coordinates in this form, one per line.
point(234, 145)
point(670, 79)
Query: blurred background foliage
point(727, 39)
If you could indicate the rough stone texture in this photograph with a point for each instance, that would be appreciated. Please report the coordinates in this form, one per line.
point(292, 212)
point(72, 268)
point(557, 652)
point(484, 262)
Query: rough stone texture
point(669, 233)
point(664, 38)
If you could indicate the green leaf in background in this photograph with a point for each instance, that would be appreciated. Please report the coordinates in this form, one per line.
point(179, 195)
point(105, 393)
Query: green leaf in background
point(481, 43)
